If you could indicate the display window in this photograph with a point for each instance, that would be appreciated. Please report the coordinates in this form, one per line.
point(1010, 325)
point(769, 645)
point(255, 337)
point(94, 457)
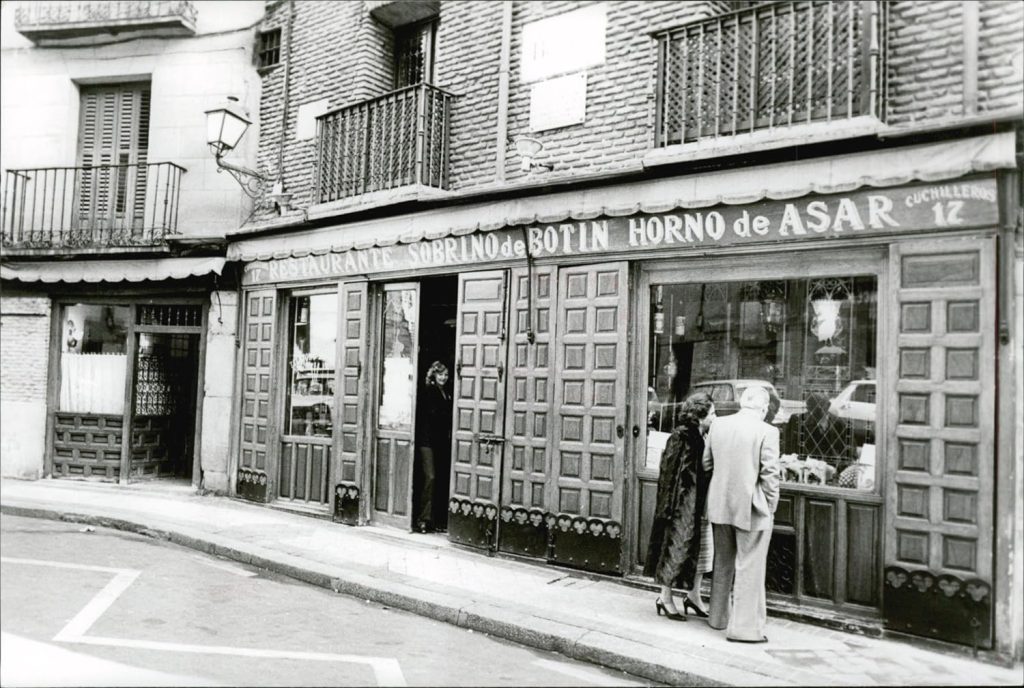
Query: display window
point(810, 342)
point(312, 328)
point(94, 359)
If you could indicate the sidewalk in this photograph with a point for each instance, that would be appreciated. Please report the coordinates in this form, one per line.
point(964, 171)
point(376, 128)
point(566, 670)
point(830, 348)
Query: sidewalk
point(591, 620)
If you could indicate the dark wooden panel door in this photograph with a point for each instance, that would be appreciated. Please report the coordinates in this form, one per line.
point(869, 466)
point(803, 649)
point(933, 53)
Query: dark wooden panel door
point(394, 434)
point(590, 370)
point(941, 425)
point(257, 354)
point(529, 393)
point(479, 408)
point(350, 403)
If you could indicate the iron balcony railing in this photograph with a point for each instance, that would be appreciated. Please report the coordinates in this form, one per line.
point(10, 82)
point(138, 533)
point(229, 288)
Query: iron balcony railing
point(103, 206)
point(778, 64)
point(42, 14)
point(395, 140)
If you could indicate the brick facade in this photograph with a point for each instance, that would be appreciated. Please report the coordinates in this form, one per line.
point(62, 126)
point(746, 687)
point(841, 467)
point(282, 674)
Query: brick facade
point(341, 53)
point(25, 324)
point(925, 65)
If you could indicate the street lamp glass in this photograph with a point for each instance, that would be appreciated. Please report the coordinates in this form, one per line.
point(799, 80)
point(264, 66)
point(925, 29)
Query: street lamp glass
point(225, 126)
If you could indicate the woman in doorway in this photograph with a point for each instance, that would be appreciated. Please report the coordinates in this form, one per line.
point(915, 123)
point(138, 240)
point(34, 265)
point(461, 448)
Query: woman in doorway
point(434, 434)
point(681, 550)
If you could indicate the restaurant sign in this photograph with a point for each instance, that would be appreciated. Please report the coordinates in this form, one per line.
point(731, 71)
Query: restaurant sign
point(866, 212)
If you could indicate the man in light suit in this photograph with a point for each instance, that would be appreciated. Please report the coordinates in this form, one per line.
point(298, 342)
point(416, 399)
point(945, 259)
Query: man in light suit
point(743, 452)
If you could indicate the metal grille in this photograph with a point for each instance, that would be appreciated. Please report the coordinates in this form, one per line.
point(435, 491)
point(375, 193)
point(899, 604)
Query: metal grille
point(776, 64)
point(388, 142)
point(92, 206)
point(172, 315)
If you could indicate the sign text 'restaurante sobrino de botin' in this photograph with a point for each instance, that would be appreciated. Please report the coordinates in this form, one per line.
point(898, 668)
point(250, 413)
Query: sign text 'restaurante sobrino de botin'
point(928, 207)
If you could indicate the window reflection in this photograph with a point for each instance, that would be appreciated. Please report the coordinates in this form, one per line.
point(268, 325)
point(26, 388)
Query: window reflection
point(811, 343)
point(313, 329)
point(398, 383)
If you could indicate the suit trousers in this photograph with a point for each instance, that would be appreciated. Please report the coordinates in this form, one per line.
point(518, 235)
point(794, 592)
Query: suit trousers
point(740, 560)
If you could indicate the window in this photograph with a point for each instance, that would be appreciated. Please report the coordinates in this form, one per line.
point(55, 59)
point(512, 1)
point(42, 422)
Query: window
point(113, 143)
point(269, 49)
point(414, 54)
point(313, 327)
point(810, 342)
point(94, 361)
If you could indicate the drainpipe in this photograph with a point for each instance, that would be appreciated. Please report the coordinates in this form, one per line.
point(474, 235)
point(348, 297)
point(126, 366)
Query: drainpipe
point(285, 90)
point(501, 134)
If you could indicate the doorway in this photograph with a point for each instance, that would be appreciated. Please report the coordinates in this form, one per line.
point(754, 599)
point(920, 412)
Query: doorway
point(438, 298)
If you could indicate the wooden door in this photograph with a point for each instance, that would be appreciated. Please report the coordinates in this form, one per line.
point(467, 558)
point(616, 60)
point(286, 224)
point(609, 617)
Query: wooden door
point(941, 431)
point(529, 394)
point(479, 408)
point(113, 146)
point(350, 404)
point(590, 369)
point(395, 427)
point(257, 354)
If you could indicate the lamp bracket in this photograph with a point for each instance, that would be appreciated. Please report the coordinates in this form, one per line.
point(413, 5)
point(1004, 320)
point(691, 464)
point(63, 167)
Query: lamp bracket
point(253, 183)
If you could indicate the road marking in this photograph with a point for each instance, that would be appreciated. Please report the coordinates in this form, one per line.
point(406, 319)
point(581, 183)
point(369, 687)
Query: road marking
point(61, 565)
point(587, 675)
point(224, 567)
point(386, 670)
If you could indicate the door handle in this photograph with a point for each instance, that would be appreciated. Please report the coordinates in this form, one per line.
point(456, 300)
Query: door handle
point(620, 431)
point(458, 368)
point(501, 372)
point(636, 431)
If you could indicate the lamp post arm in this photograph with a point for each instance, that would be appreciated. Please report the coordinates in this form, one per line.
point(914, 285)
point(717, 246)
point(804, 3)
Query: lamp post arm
point(252, 182)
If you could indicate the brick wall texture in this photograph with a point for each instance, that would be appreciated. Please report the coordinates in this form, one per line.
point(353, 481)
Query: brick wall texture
point(925, 66)
point(24, 343)
point(340, 52)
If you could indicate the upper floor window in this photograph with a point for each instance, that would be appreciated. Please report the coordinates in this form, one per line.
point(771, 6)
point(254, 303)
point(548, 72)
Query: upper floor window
point(414, 54)
point(269, 50)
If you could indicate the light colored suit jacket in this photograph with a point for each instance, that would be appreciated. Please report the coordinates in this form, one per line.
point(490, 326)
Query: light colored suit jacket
point(743, 452)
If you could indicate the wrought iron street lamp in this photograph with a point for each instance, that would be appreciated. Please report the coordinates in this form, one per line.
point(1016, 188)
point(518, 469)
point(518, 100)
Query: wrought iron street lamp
point(225, 126)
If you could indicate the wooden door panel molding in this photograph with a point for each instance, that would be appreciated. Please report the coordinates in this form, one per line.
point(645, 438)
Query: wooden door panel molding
point(587, 463)
point(257, 358)
point(525, 503)
point(350, 403)
point(394, 450)
point(478, 432)
point(940, 500)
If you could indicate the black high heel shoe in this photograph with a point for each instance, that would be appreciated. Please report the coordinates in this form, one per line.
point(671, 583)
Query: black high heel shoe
point(689, 605)
point(660, 606)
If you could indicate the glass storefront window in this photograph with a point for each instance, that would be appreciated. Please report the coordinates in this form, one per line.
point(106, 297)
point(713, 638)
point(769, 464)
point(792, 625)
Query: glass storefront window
point(398, 378)
point(313, 327)
point(810, 342)
point(94, 359)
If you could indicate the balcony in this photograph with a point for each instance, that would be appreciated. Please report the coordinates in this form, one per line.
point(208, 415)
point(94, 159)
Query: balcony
point(396, 140)
point(79, 23)
point(779, 64)
point(90, 209)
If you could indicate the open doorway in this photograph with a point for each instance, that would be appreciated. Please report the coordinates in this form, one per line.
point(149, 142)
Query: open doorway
point(438, 297)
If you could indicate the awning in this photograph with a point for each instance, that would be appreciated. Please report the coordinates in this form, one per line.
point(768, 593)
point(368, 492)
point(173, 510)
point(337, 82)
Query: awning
point(780, 181)
point(136, 270)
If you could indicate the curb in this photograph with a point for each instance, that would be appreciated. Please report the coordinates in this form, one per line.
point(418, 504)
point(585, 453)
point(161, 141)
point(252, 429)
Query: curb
point(575, 642)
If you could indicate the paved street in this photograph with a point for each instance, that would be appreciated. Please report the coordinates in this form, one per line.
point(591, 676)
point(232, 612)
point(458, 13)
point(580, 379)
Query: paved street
point(101, 607)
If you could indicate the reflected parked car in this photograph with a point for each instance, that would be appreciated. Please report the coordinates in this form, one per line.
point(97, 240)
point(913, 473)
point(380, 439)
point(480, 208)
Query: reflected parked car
point(726, 395)
point(856, 405)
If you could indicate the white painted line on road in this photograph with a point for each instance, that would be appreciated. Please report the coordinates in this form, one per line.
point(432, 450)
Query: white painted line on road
point(224, 567)
point(585, 674)
point(386, 670)
point(61, 565)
